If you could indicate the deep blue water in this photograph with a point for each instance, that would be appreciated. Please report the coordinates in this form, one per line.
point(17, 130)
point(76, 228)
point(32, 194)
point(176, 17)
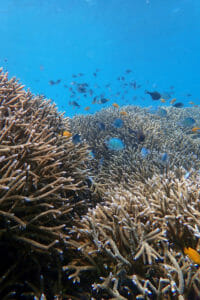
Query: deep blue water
point(159, 40)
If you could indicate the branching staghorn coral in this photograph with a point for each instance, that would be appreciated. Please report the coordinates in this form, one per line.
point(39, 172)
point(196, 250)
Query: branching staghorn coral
point(169, 144)
point(132, 246)
point(43, 179)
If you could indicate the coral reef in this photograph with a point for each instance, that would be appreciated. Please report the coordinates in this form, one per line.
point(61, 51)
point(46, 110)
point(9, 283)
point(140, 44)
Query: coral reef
point(116, 218)
point(132, 246)
point(43, 178)
point(164, 136)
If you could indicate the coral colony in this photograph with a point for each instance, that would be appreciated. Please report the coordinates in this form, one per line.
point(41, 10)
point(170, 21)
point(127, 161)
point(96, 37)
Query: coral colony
point(102, 206)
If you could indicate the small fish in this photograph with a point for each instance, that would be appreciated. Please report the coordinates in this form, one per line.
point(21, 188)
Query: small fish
point(115, 105)
point(165, 157)
point(81, 88)
point(191, 102)
point(94, 100)
point(187, 122)
point(76, 139)
point(118, 123)
point(87, 108)
point(154, 95)
point(74, 103)
point(178, 105)
point(51, 82)
point(195, 129)
point(103, 100)
point(144, 152)
point(173, 100)
point(192, 254)
point(66, 134)
point(162, 100)
point(101, 125)
point(140, 135)
point(123, 113)
point(128, 71)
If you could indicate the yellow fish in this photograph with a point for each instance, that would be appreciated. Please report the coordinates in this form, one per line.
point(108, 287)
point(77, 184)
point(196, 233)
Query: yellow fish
point(195, 129)
point(172, 101)
point(115, 105)
point(87, 108)
point(162, 100)
point(192, 254)
point(123, 113)
point(67, 134)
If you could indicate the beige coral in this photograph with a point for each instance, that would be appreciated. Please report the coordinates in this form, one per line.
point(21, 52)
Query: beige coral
point(137, 238)
point(42, 176)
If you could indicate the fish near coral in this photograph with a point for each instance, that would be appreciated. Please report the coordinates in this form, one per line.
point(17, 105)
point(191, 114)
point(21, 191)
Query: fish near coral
point(195, 129)
point(123, 113)
point(115, 105)
point(173, 100)
point(154, 95)
point(192, 254)
point(67, 134)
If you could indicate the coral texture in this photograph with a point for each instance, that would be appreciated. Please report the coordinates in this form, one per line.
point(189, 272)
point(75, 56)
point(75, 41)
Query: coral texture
point(133, 245)
point(42, 177)
point(168, 143)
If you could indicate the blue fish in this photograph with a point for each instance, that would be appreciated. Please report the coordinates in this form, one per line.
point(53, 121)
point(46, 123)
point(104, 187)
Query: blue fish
point(118, 123)
point(187, 122)
point(115, 144)
point(76, 139)
point(165, 157)
point(144, 152)
point(101, 125)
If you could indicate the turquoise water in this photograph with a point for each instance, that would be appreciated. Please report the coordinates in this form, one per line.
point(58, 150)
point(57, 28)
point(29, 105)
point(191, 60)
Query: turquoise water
point(158, 40)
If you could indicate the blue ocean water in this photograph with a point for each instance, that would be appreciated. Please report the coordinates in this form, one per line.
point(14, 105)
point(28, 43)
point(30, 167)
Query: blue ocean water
point(121, 48)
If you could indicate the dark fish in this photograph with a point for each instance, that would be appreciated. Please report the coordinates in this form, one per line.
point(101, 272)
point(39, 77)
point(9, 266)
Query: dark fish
point(140, 136)
point(103, 100)
point(94, 100)
point(74, 76)
point(154, 95)
point(76, 139)
point(128, 71)
point(178, 105)
point(101, 125)
point(51, 82)
point(118, 123)
point(138, 133)
point(164, 157)
point(94, 74)
point(187, 122)
point(133, 84)
point(74, 103)
point(81, 88)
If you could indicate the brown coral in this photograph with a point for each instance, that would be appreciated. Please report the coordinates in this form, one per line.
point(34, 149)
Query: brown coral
point(42, 177)
point(133, 244)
